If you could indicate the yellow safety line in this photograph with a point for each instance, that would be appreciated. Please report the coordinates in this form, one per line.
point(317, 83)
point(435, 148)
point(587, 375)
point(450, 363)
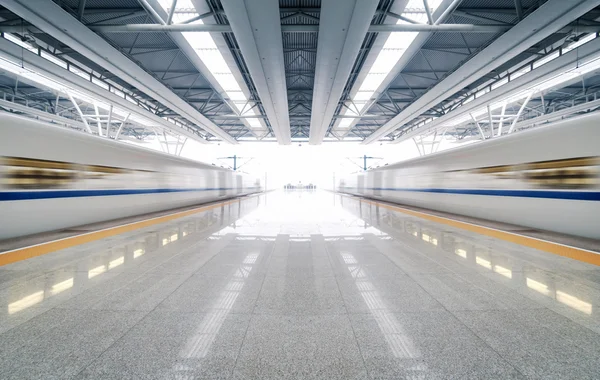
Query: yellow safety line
point(584, 255)
point(19, 254)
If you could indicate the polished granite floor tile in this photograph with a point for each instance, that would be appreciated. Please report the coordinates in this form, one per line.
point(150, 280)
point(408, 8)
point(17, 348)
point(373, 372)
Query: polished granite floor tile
point(400, 294)
point(425, 345)
point(201, 293)
point(308, 347)
point(300, 296)
point(175, 345)
point(460, 292)
point(12, 277)
point(537, 350)
point(299, 288)
point(60, 343)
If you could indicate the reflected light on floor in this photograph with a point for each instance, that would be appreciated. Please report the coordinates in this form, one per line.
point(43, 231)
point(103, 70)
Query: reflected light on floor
point(483, 262)
point(96, 271)
point(62, 286)
point(116, 262)
point(199, 344)
point(398, 341)
point(538, 286)
point(574, 302)
point(26, 302)
point(429, 239)
point(503, 271)
point(461, 252)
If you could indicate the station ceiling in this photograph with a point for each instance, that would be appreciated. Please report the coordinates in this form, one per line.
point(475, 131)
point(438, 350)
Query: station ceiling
point(300, 70)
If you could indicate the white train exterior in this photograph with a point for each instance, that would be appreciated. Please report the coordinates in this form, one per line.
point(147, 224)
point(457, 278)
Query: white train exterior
point(546, 178)
point(53, 178)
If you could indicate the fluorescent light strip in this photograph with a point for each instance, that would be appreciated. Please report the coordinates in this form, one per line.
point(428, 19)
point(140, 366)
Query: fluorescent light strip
point(207, 50)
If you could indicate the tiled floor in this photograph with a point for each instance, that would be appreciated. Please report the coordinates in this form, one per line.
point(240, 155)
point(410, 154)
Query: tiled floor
point(299, 285)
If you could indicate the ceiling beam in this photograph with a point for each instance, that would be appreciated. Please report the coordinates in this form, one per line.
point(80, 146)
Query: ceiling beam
point(546, 20)
point(342, 29)
point(445, 7)
point(192, 55)
point(301, 28)
point(257, 29)
point(53, 20)
point(14, 53)
point(586, 53)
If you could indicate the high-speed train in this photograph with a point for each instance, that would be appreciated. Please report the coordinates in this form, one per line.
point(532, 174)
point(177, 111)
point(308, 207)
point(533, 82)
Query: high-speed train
point(546, 178)
point(52, 178)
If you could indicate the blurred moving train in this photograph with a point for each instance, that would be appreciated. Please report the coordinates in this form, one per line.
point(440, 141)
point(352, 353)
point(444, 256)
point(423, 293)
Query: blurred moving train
point(546, 178)
point(53, 178)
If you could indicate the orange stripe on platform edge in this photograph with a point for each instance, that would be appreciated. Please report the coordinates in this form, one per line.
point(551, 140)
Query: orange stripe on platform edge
point(579, 254)
point(20, 254)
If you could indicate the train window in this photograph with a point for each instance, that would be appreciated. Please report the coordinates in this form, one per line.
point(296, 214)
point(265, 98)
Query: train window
point(23, 173)
point(239, 184)
point(27, 173)
point(378, 183)
point(361, 184)
point(572, 173)
point(222, 184)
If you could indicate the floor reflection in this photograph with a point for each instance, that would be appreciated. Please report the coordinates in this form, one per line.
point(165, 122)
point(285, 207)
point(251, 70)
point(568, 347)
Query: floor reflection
point(200, 342)
point(344, 288)
point(133, 248)
point(398, 340)
point(521, 273)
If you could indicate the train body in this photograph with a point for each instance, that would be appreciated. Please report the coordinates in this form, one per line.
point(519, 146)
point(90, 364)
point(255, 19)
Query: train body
point(546, 178)
point(53, 178)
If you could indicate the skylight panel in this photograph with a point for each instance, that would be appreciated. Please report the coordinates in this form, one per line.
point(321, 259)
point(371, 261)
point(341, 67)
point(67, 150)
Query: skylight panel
point(344, 124)
point(79, 72)
point(99, 83)
point(500, 83)
point(208, 51)
point(372, 81)
point(520, 72)
point(19, 42)
point(393, 49)
point(545, 60)
point(361, 96)
point(582, 41)
point(254, 123)
point(54, 59)
point(237, 96)
point(228, 82)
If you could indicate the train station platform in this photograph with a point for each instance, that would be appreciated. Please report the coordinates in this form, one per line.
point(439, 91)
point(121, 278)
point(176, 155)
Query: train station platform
point(308, 285)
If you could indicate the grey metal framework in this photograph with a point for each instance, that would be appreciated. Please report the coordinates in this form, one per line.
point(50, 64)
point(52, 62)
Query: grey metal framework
point(422, 85)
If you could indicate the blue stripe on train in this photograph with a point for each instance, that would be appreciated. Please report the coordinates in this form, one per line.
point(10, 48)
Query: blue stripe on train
point(49, 194)
point(552, 194)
